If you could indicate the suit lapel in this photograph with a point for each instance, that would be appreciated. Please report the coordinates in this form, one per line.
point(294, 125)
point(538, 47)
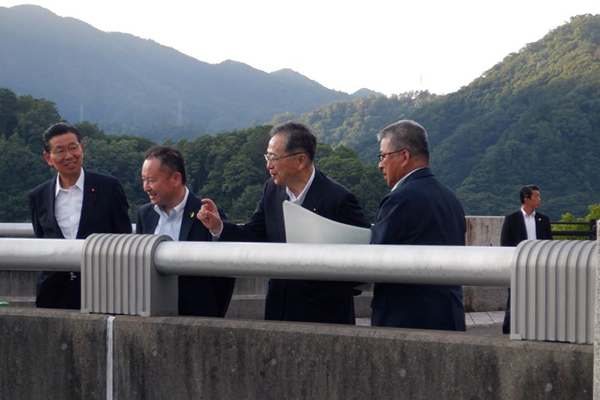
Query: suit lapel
point(192, 205)
point(522, 227)
point(150, 220)
point(313, 198)
point(280, 197)
point(50, 199)
point(90, 191)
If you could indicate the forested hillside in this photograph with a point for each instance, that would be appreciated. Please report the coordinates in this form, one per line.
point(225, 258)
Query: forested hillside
point(228, 167)
point(131, 85)
point(532, 118)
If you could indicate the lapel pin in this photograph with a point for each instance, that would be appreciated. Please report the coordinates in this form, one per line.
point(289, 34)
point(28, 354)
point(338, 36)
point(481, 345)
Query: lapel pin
point(93, 196)
point(192, 214)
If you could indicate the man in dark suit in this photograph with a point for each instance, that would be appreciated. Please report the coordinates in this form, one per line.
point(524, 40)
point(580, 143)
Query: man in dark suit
point(289, 158)
point(74, 205)
point(172, 212)
point(525, 224)
point(419, 210)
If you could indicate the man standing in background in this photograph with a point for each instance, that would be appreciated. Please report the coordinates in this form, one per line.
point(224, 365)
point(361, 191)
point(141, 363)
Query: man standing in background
point(525, 224)
point(73, 205)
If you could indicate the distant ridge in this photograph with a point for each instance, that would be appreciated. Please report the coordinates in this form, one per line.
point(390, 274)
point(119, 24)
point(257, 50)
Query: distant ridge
point(133, 85)
point(534, 117)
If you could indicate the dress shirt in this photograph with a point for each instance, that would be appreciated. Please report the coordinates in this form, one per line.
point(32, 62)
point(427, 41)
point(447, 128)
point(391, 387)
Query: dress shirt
point(530, 225)
point(300, 199)
point(170, 225)
point(67, 206)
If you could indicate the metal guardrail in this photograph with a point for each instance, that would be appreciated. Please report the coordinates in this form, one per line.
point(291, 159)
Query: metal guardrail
point(553, 282)
point(589, 233)
point(449, 265)
point(22, 230)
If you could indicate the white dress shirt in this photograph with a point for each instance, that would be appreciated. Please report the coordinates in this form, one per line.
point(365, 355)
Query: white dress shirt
point(300, 199)
point(67, 206)
point(530, 225)
point(170, 225)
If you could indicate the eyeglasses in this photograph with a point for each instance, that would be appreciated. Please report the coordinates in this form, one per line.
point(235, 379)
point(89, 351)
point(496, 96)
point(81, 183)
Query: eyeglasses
point(271, 158)
point(382, 156)
point(60, 152)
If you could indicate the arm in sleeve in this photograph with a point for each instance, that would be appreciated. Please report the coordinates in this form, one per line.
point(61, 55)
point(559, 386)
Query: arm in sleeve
point(37, 227)
point(505, 234)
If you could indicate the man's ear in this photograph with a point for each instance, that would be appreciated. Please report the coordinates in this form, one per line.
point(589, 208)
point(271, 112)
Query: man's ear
point(47, 158)
point(302, 160)
point(177, 176)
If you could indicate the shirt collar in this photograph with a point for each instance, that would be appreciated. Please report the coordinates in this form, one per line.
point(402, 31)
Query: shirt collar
point(525, 214)
point(79, 183)
point(302, 194)
point(179, 208)
point(397, 185)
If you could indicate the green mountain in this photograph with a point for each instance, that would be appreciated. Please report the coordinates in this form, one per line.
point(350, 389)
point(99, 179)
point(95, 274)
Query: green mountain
point(131, 85)
point(532, 118)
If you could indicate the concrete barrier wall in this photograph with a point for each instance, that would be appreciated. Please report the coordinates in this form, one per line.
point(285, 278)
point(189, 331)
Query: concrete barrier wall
point(62, 355)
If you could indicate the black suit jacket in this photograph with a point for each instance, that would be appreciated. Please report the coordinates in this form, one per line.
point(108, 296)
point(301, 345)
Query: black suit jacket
point(198, 295)
point(514, 231)
point(422, 211)
point(303, 300)
point(104, 210)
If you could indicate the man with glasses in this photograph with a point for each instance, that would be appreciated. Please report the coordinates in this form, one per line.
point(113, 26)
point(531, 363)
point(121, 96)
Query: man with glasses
point(419, 210)
point(525, 224)
point(172, 212)
point(289, 159)
point(73, 205)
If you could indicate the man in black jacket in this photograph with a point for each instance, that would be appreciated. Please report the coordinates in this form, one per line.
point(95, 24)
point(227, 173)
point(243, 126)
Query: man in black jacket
point(419, 210)
point(73, 205)
point(525, 224)
point(289, 158)
point(172, 212)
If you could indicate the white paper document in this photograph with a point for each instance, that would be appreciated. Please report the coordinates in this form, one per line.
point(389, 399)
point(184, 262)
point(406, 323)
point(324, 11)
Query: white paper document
point(304, 226)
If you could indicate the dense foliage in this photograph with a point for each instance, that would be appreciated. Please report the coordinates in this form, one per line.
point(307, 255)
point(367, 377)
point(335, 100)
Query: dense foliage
point(532, 118)
point(228, 167)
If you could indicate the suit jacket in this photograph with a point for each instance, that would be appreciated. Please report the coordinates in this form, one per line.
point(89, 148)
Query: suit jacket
point(198, 295)
point(514, 231)
point(104, 210)
point(421, 211)
point(303, 300)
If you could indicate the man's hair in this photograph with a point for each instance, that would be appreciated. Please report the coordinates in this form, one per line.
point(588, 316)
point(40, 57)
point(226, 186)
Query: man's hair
point(299, 138)
point(526, 192)
point(58, 129)
point(171, 160)
point(407, 134)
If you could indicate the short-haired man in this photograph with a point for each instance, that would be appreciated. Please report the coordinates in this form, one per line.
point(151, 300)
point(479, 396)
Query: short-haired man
point(289, 158)
point(172, 212)
point(525, 224)
point(73, 205)
point(419, 210)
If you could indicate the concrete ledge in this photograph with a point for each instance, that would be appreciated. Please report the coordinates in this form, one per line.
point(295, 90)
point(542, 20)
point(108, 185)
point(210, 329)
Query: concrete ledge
point(62, 355)
point(52, 354)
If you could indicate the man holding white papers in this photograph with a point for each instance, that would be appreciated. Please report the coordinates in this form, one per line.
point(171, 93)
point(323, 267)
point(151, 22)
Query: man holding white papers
point(289, 159)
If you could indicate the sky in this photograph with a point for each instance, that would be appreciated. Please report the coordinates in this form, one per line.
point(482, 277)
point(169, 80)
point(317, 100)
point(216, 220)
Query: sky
point(389, 46)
